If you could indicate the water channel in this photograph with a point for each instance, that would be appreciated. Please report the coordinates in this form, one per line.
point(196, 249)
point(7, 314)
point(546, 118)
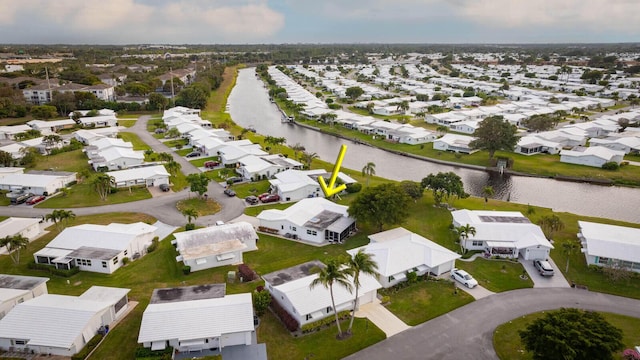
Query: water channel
point(249, 106)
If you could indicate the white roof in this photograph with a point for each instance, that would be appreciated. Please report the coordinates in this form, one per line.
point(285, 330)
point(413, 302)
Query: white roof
point(197, 319)
point(14, 225)
point(303, 211)
point(138, 173)
point(456, 140)
point(31, 180)
point(216, 240)
point(113, 153)
point(113, 236)
point(14, 129)
point(290, 180)
point(104, 143)
point(40, 124)
point(398, 250)
point(597, 151)
point(60, 319)
point(611, 241)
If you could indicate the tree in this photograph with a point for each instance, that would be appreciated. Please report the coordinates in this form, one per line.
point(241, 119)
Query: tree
point(623, 123)
point(444, 186)
point(6, 159)
point(403, 106)
point(539, 123)
point(360, 263)
point(413, 189)
point(190, 213)
point(14, 244)
point(158, 101)
point(275, 141)
point(172, 133)
point(369, 170)
point(65, 216)
point(297, 147)
point(329, 118)
point(354, 92)
point(550, 224)
point(442, 129)
point(571, 334)
point(198, 183)
point(487, 192)
point(101, 183)
point(333, 274)
point(261, 301)
point(370, 107)
point(65, 102)
point(173, 167)
point(493, 134)
point(385, 204)
point(44, 112)
point(463, 233)
point(192, 96)
point(307, 158)
point(567, 249)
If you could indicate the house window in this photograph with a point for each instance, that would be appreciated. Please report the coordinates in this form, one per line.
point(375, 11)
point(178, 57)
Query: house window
point(329, 309)
point(83, 262)
point(104, 264)
point(312, 232)
point(603, 260)
point(308, 317)
point(125, 253)
point(294, 228)
point(477, 243)
point(115, 260)
point(19, 342)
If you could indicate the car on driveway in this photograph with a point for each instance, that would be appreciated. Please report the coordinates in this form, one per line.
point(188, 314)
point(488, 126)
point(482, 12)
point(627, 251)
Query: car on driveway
point(35, 199)
point(464, 278)
point(164, 187)
point(543, 267)
point(229, 192)
point(234, 179)
point(211, 164)
point(193, 154)
point(251, 199)
point(270, 198)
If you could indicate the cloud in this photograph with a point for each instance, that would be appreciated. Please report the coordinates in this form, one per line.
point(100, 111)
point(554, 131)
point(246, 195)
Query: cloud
point(373, 10)
point(131, 21)
point(617, 15)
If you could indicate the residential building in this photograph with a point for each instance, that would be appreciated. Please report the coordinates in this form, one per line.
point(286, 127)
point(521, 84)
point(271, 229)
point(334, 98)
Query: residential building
point(595, 156)
point(610, 245)
point(31, 228)
point(455, 143)
point(154, 175)
point(38, 182)
point(16, 289)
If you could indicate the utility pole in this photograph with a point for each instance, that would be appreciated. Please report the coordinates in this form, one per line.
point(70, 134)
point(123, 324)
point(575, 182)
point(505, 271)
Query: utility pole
point(173, 103)
point(46, 71)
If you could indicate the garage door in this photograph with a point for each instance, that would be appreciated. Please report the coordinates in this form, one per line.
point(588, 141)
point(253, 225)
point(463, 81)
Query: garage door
point(536, 254)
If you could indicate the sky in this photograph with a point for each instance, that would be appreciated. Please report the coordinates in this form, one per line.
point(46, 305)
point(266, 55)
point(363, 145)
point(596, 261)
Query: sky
point(317, 21)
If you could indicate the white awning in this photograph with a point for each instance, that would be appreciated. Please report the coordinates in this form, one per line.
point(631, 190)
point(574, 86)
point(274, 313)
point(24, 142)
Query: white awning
point(158, 345)
point(422, 268)
point(316, 315)
point(225, 256)
point(400, 276)
point(201, 261)
point(192, 342)
point(500, 244)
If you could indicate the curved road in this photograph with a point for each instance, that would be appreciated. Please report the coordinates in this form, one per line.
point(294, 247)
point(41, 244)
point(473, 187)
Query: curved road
point(162, 207)
point(467, 332)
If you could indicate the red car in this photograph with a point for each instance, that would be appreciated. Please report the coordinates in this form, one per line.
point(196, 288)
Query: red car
point(270, 198)
point(35, 199)
point(263, 195)
point(211, 164)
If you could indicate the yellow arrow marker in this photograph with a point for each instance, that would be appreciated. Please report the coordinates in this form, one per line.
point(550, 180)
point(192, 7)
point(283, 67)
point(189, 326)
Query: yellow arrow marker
point(331, 190)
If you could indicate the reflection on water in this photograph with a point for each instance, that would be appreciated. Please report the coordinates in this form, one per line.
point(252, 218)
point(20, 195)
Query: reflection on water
point(249, 106)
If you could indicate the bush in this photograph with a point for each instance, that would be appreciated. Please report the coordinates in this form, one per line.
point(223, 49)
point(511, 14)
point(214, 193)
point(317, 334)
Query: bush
point(412, 277)
point(153, 246)
point(261, 301)
point(148, 354)
point(189, 226)
point(186, 269)
point(246, 274)
point(88, 348)
point(612, 165)
point(317, 325)
point(289, 321)
point(125, 260)
point(354, 188)
point(52, 270)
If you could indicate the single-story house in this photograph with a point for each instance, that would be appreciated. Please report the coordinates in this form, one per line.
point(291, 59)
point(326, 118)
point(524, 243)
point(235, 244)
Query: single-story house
point(96, 248)
point(595, 156)
point(4, 171)
point(399, 251)
point(290, 288)
point(16, 150)
point(38, 183)
point(98, 121)
point(209, 146)
point(88, 136)
point(30, 228)
point(253, 167)
point(215, 246)
point(412, 135)
point(610, 245)
point(53, 126)
point(16, 289)
point(294, 185)
point(61, 324)
point(531, 144)
point(316, 220)
point(507, 234)
point(467, 127)
point(627, 144)
point(455, 143)
point(8, 132)
point(197, 318)
point(116, 158)
point(155, 175)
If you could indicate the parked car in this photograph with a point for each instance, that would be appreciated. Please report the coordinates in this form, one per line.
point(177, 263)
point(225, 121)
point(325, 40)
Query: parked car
point(229, 192)
point(211, 164)
point(35, 199)
point(219, 222)
point(160, 131)
point(270, 198)
point(164, 187)
point(251, 199)
point(261, 196)
point(234, 180)
point(193, 154)
point(16, 199)
point(464, 278)
point(543, 267)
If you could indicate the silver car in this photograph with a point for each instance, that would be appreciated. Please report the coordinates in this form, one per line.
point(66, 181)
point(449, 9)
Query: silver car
point(464, 278)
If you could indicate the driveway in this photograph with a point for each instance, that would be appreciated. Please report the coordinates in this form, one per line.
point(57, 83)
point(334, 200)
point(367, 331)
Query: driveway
point(539, 281)
point(467, 332)
point(382, 318)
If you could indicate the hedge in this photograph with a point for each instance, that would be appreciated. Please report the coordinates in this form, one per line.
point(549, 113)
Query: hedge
point(88, 348)
point(317, 325)
point(148, 354)
point(52, 270)
point(246, 274)
point(289, 321)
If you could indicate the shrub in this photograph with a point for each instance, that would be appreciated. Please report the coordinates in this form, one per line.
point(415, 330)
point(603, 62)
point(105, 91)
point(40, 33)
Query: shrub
point(125, 260)
point(186, 269)
point(289, 321)
point(153, 246)
point(261, 301)
point(88, 348)
point(327, 321)
point(146, 353)
point(52, 270)
point(246, 274)
point(612, 165)
point(189, 226)
point(412, 277)
point(354, 188)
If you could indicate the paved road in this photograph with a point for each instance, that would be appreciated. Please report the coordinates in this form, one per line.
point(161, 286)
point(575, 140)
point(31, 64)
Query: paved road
point(467, 332)
point(163, 207)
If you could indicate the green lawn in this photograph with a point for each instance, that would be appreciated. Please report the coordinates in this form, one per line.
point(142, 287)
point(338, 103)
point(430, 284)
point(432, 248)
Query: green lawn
point(255, 210)
point(508, 346)
point(203, 207)
point(496, 275)
point(184, 152)
point(176, 142)
point(252, 188)
point(82, 195)
point(200, 161)
point(127, 123)
point(138, 144)
point(425, 300)
point(73, 161)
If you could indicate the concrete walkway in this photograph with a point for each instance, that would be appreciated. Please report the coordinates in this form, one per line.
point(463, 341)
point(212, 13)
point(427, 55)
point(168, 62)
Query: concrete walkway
point(477, 292)
point(539, 281)
point(382, 318)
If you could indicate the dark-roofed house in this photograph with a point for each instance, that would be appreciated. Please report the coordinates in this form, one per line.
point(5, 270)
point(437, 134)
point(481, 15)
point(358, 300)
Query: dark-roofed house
point(290, 288)
point(314, 220)
point(200, 320)
point(16, 289)
point(215, 245)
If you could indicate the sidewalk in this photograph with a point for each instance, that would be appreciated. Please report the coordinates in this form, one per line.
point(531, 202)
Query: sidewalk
point(382, 318)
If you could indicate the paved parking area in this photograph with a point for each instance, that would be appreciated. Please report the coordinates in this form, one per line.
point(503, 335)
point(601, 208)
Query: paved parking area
point(477, 292)
point(539, 281)
point(382, 318)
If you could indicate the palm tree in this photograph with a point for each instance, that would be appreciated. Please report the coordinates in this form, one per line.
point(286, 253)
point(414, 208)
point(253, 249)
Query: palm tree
point(369, 170)
point(463, 232)
point(101, 183)
point(173, 167)
point(296, 149)
point(190, 213)
point(329, 118)
point(441, 129)
point(487, 192)
point(360, 263)
point(332, 274)
point(307, 158)
point(65, 215)
point(14, 244)
point(550, 224)
point(567, 248)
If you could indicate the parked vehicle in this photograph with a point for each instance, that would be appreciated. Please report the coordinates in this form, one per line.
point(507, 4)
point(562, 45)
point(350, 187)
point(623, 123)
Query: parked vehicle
point(464, 278)
point(219, 222)
point(211, 164)
point(261, 196)
point(543, 267)
point(251, 199)
point(229, 192)
point(19, 198)
point(164, 187)
point(193, 154)
point(234, 180)
point(270, 198)
point(35, 199)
